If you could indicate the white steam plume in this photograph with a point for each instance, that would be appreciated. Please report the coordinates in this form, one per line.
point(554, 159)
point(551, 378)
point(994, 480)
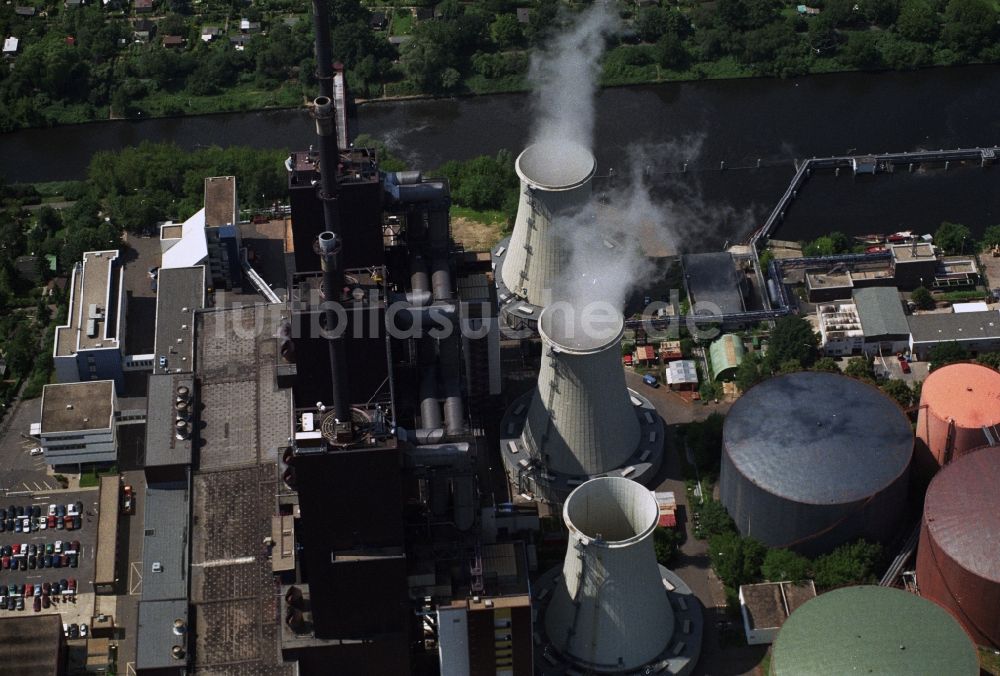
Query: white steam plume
point(565, 78)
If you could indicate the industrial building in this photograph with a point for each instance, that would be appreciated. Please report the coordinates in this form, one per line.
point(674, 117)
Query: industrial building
point(180, 293)
point(556, 181)
point(913, 264)
point(580, 420)
point(840, 331)
point(89, 345)
point(957, 563)
point(726, 354)
point(975, 331)
point(713, 283)
point(78, 423)
point(650, 623)
point(872, 629)
point(811, 460)
point(765, 607)
point(32, 644)
point(958, 412)
point(883, 321)
point(106, 559)
point(210, 237)
point(682, 374)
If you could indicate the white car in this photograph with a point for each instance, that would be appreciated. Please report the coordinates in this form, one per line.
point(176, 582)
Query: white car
point(52, 510)
point(43, 523)
point(37, 450)
point(83, 631)
point(58, 547)
point(71, 509)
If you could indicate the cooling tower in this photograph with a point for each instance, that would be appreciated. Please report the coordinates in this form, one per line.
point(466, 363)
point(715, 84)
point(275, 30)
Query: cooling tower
point(555, 179)
point(580, 420)
point(811, 460)
point(609, 610)
point(872, 630)
point(958, 559)
point(957, 402)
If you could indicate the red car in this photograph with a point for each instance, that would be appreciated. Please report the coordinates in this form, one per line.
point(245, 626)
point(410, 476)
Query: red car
point(6, 563)
point(51, 520)
point(17, 549)
point(903, 364)
point(29, 590)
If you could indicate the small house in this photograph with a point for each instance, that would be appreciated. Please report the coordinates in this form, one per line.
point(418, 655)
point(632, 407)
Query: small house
point(143, 29)
point(10, 46)
point(523, 14)
point(72, 3)
point(378, 21)
point(645, 355)
point(24, 11)
point(173, 41)
point(670, 350)
point(143, 6)
point(209, 33)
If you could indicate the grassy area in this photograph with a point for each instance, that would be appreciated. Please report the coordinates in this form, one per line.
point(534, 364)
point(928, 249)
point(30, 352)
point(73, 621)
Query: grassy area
point(241, 97)
point(92, 477)
point(402, 22)
point(477, 230)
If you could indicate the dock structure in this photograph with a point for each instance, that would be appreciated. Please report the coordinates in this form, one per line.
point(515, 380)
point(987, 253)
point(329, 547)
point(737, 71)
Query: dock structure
point(859, 164)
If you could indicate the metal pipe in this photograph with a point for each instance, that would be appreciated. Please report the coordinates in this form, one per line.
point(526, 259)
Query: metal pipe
point(326, 129)
point(329, 247)
point(323, 48)
point(430, 409)
point(450, 351)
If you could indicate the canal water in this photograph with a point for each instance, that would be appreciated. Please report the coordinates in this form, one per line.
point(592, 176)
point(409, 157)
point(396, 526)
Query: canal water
point(659, 129)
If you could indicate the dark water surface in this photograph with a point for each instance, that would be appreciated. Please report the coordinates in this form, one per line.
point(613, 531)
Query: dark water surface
point(702, 123)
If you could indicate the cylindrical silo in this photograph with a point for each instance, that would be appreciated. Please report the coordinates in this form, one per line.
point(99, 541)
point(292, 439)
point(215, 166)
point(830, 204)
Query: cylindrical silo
point(812, 460)
point(580, 420)
point(872, 630)
point(555, 179)
point(609, 611)
point(956, 402)
point(958, 559)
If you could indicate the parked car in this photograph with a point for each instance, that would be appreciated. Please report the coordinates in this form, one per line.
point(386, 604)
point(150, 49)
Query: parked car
point(29, 590)
point(83, 631)
point(36, 511)
point(75, 546)
point(32, 562)
point(51, 521)
point(20, 603)
point(66, 630)
point(72, 560)
point(10, 523)
point(17, 525)
point(50, 548)
point(77, 522)
point(17, 548)
point(129, 498)
point(60, 510)
point(65, 560)
point(52, 509)
point(74, 631)
point(45, 601)
point(23, 565)
point(48, 560)
point(3, 603)
point(651, 380)
point(58, 546)
point(56, 560)
point(38, 604)
point(37, 590)
point(5, 562)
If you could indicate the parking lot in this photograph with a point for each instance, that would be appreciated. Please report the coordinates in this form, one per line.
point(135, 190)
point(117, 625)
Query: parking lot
point(23, 471)
point(77, 607)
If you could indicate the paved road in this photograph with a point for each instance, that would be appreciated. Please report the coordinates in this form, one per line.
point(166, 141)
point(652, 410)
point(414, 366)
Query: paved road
point(130, 558)
point(692, 564)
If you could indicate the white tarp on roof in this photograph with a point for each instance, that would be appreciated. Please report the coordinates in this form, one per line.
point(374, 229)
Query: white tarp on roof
point(682, 371)
point(10, 45)
point(978, 306)
point(192, 248)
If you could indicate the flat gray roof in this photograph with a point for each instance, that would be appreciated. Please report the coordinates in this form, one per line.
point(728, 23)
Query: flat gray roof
point(155, 637)
point(909, 252)
point(162, 445)
point(881, 311)
point(946, 326)
point(166, 542)
point(71, 407)
point(711, 278)
point(180, 291)
point(97, 282)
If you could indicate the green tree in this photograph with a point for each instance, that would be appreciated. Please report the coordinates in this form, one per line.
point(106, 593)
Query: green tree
point(861, 51)
point(506, 31)
point(713, 519)
point(923, 298)
point(736, 560)
point(880, 12)
point(783, 564)
point(792, 338)
point(953, 238)
point(671, 52)
point(918, 21)
point(946, 353)
point(991, 359)
point(991, 236)
point(828, 364)
point(852, 563)
point(860, 368)
point(970, 26)
point(666, 542)
point(900, 391)
point(790, 366)
point(748, 374)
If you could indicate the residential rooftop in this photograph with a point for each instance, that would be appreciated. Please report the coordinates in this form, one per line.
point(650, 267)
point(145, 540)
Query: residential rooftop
point(71, 407)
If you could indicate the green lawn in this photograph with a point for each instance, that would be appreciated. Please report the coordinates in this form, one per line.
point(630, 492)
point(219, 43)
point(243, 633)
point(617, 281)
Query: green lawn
point(91, 478)
point(401, 23)
point(241, 97)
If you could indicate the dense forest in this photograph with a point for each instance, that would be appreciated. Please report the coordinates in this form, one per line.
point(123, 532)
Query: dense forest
point(78, 62)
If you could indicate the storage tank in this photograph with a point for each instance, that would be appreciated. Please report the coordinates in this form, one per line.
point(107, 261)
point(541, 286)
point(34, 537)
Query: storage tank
point(958, 558)
point(609, 611)
point(956, 402)
point(580, 420)
point(555, 179)
point(872, 630)
point(811, 460)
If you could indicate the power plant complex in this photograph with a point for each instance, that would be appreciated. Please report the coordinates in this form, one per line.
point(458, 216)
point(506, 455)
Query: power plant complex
point(426, 460)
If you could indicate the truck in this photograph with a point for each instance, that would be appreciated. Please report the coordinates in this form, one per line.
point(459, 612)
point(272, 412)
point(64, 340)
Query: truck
point(651, 380)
